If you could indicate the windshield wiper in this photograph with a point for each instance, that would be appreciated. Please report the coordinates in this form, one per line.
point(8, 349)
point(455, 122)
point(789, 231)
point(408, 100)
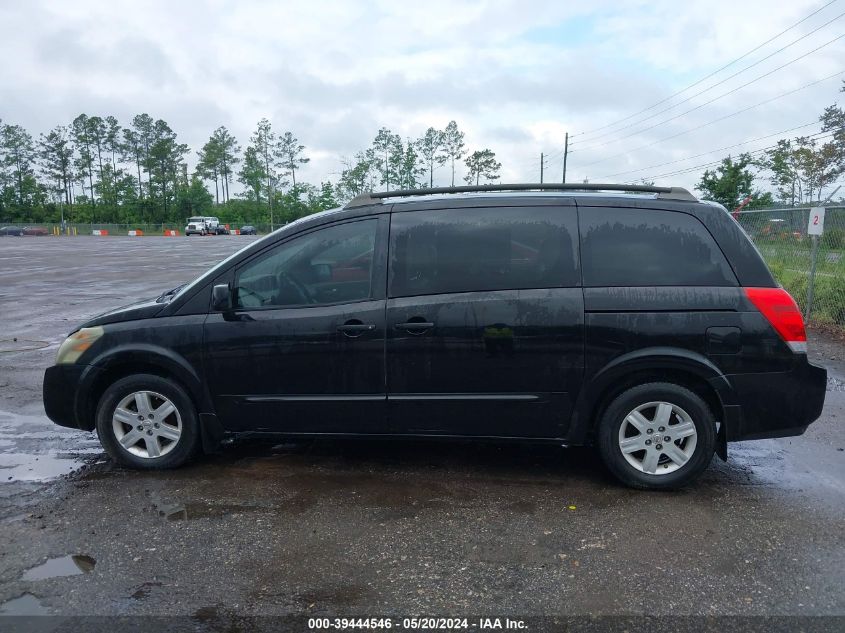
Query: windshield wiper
point(170, 293)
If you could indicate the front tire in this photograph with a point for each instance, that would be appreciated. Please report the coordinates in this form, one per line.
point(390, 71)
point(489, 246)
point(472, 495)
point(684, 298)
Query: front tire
point(147, 422)
point(657, 436)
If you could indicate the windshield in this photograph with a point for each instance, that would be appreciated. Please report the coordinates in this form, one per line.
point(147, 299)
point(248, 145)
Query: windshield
point(195, 220)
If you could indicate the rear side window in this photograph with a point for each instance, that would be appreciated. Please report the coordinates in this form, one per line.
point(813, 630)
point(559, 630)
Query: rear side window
point(465, 250)
point(646, 247)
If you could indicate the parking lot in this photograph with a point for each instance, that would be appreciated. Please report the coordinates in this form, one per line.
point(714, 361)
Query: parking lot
point(371, 528)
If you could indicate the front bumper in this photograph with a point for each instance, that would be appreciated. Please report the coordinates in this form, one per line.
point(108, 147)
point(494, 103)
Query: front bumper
point(778, 404)
point(63, 395)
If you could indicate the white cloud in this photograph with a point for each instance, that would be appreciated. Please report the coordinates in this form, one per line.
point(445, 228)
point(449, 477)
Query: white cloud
point(515, 75)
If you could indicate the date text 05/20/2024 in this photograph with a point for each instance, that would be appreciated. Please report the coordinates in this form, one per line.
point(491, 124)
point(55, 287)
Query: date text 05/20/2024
point(431, 623)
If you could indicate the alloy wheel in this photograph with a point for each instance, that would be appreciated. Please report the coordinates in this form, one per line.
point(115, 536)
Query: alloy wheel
point(657, 438)
point(147, 424)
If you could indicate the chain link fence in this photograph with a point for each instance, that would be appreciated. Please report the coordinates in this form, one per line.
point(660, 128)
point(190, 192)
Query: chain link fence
point(811, 268)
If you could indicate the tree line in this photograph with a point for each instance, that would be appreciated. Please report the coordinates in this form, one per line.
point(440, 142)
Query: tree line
point(97, 170)
point(798, 171)
point(394, 164)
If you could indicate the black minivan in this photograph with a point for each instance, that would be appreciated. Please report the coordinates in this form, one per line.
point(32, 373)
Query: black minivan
point(636, 319)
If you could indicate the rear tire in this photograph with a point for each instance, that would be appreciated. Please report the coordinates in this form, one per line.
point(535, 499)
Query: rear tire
point(657, 436)
point(148, 423)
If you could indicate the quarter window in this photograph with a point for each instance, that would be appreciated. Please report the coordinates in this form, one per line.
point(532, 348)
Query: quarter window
point(464, 250)
point(647, 247)
point(329, 265)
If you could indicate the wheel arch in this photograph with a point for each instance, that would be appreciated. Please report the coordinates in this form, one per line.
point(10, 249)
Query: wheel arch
point(123, 361)
point(658, 364)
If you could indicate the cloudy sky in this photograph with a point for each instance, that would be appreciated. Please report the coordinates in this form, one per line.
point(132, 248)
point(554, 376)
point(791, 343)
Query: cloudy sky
point(515, 75)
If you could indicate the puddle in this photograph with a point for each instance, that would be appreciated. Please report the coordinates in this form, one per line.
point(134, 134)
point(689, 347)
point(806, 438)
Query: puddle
point(33, 449)
point(37, 467)
point(27, 604)
point(62, 566)
point(781, 464)
point(144, 590)
point(190, 511)
point(8, 345)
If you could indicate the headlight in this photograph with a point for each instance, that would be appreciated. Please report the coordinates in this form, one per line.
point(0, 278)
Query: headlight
point(75, 344)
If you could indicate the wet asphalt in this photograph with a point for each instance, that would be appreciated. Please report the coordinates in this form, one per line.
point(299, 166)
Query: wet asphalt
point(374, 527)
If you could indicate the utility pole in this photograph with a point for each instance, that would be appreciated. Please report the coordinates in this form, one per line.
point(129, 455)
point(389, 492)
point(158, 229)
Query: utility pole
point(565, 154)
point(541, 168)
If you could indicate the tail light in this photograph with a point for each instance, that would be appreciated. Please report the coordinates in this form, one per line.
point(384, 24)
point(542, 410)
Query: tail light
point(780, 309)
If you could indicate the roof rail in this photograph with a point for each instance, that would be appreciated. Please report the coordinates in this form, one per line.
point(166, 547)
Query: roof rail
point(663, 193)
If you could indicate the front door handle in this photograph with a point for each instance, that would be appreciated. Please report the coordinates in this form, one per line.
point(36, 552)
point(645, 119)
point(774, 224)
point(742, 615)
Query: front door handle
point(354, 327)
point(415, 327)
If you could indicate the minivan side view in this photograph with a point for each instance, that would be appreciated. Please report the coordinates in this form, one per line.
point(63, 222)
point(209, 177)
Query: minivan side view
point(635, 319)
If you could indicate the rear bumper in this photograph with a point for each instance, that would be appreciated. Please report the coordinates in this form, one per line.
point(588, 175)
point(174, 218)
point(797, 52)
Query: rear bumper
point(777, 404)
point(63, 395)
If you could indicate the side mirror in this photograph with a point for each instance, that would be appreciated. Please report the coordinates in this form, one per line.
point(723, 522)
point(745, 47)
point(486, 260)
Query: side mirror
point(221, 298)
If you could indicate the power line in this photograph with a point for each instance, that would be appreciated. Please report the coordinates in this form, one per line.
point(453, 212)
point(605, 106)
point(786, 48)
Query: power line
point(715, 72)
point(818, 136)
point(718, 83)
point(714, 99)
point(722, 118)
point(720, 149)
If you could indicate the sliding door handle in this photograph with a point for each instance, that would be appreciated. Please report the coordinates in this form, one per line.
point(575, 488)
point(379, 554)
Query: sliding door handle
point(415, 327)
point(355, 328)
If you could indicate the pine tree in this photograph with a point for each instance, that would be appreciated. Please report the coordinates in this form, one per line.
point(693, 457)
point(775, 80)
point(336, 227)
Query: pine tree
point(453, 146)
point(482, 163)
point(56, 154)
point(290, 154)
point(431, 150)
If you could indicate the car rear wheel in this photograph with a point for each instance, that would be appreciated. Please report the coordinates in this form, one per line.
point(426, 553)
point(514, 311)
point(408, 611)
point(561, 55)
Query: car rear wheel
point(147, 422)
point(657, 436)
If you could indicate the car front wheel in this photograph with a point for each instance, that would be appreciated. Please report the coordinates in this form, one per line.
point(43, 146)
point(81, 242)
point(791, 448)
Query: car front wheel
point(657, 436)
point(147, 422)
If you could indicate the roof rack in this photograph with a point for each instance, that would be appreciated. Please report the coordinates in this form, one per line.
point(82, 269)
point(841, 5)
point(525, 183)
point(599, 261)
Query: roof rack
point(663, 193)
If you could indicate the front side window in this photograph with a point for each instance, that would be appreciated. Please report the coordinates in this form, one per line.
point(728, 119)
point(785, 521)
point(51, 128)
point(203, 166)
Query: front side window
point(329, 265)
point(467, 250)
point(648, 247)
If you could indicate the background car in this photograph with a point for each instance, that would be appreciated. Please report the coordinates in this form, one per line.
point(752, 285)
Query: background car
point(35, 230)
point(212, 224)
point(11, 230)
point(248, 229)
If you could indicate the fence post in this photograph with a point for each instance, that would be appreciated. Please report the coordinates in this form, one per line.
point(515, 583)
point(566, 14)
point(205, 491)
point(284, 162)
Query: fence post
point(812, 281)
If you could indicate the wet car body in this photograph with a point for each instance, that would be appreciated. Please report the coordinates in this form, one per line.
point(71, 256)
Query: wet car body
point(534, 364)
